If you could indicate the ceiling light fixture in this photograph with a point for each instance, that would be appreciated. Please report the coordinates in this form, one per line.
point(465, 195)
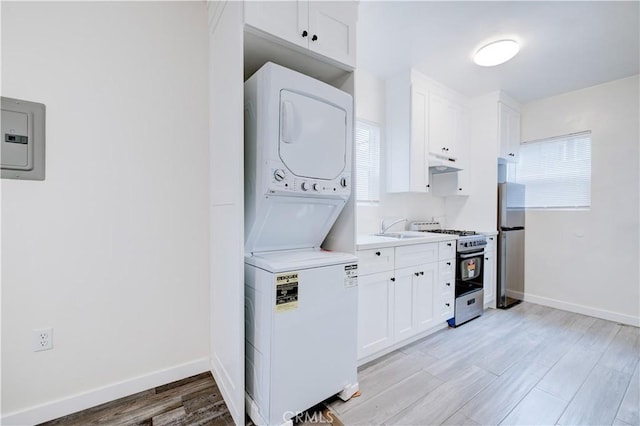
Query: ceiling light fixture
point(496, 53)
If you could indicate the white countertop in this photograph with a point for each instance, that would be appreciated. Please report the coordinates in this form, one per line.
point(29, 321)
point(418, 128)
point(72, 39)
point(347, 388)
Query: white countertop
point(369, 241)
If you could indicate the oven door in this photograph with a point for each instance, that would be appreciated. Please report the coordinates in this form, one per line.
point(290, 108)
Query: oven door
point(470, 266)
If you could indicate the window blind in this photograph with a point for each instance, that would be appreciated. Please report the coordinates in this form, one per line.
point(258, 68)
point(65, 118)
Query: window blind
point(367, 162)
point(556, 171)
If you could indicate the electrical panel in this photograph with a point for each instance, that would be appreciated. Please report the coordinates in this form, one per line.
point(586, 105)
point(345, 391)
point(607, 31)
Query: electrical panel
point(23, 139)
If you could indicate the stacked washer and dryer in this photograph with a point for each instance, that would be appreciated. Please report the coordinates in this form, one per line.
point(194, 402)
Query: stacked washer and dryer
point(300, 300)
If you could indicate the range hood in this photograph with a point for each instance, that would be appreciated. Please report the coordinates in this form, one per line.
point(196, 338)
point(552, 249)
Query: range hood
point(439, 164)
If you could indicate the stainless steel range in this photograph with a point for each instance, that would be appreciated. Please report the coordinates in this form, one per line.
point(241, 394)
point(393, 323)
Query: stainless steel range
point(469, 291)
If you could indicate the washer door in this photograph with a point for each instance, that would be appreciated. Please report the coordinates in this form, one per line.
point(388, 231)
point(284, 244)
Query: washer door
point(313, 136)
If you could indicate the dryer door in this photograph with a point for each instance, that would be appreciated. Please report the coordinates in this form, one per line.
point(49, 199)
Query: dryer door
point(313, 136)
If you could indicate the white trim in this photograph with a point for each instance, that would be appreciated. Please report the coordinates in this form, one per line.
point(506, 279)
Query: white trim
point(82, 401)
point(585, 310)
point(227, 390)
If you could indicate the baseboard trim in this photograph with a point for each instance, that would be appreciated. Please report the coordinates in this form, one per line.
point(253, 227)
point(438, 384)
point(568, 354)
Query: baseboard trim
point(585, 310)
point(82, 401)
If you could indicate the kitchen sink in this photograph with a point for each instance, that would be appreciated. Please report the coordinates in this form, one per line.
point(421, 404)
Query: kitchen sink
point(401, 235)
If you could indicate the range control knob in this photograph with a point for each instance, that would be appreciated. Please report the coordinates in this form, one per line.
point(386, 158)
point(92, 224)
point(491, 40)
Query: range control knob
point(278, 175)
point(316, 187)
point(343, 182)
point(305, 186)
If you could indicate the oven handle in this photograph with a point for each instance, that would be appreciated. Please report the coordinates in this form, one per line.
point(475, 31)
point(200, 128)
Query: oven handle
point(474, 254)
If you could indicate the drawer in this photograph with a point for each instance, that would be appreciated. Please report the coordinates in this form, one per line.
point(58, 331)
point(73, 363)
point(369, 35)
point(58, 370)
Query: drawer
point(447, 270)
point(416, 254)
point(447, 249)
point(447, 288)
point(375, 260)
point(491, 244)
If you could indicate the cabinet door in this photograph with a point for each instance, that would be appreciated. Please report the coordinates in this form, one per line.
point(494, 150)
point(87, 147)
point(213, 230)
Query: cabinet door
point(403, 317)
point(375, 323)
point(508, 132)
point(332, 30)
point(425, 281)
point(445, 123)
point(489, 279)
point(419, 166)
point(284, 19)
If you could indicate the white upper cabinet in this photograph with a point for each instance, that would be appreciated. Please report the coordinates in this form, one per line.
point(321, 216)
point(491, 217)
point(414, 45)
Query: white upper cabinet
point(332, 30)
point(427, 123)
point(445, 126)
point(407, 132)
point(326, 28)
point(508, 132)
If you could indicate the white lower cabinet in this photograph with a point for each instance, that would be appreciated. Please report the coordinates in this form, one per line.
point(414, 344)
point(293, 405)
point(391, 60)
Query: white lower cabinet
point(401, 302)
point(375, 321)
point(489, 278)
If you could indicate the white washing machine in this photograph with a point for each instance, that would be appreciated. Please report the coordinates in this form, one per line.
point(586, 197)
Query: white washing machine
point(300, 333)
point(300, 301)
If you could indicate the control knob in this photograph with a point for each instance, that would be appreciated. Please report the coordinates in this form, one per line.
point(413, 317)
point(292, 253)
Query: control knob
point(343, 182)
point(305, 186)
point(316, 187)
point(278, 175)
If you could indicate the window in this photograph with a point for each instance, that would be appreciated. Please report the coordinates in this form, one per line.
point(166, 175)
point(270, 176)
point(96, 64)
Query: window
point(557, 172)
point(367, 162)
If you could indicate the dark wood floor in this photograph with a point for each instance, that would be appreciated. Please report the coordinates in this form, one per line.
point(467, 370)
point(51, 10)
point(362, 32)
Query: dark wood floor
point(192, 401)
point(189, 402)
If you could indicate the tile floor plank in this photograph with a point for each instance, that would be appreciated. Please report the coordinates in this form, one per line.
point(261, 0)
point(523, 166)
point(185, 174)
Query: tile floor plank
point(495, 401)
point(565, 378)
point(599, 335)
point(623, 352)
point(396, 398)
point(597, 401)
point(537, 408)
point(441, 403)
point(382, 378)
point(628, 411)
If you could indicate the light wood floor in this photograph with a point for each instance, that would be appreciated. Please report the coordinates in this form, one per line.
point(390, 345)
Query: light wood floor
point(529, 365)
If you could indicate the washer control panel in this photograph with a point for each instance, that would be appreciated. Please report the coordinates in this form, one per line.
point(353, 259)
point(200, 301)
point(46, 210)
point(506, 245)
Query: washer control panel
point(282, 181)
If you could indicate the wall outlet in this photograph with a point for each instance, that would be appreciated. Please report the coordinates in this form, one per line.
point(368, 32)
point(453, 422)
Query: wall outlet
point(42, 339)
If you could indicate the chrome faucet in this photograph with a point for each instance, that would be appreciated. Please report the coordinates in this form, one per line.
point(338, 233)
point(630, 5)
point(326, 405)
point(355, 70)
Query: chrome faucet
point(384, 229)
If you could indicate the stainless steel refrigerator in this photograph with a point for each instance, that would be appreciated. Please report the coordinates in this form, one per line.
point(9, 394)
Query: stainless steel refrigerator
point(510, 244)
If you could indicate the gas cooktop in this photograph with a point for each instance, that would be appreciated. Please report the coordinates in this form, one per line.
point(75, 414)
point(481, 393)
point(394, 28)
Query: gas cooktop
point(453, 232)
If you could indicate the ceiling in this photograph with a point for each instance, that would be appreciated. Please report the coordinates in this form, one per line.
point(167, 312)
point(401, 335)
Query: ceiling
point(564, 46)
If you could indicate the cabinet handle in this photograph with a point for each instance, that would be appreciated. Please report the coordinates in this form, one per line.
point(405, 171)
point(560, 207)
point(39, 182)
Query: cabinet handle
point(449, 263)
point(486, 258)
point(416, 273)
point(511, 154)
point(447, 304)
point(305, 33)
point(314, 38)
point(393, 280)
point(448, 284)
point(378, 253)
point(428, 186)
point(449, 244)
point(491, 238)
point(459, 189)
point(421, 273)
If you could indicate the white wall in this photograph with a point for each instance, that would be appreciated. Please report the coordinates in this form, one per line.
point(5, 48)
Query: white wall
point(588, 260)
point(370, 106)
point(226, 141)
point(111, 250)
